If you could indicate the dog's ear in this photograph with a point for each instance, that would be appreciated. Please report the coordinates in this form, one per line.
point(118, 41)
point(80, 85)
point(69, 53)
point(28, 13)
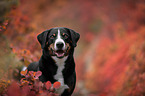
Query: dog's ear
point(42, 38)
point(74, 37)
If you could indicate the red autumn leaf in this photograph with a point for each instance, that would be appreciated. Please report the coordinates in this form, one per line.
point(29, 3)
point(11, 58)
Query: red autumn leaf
point(32, 73)
point(37, 74)
point(56, 85)
point(24, 82)
point(4, 27)
point(22, 79)
point(48, 85)
point(24, 72)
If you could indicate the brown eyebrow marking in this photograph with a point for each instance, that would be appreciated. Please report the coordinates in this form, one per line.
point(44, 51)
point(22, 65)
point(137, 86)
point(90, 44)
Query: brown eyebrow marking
point(63, 33)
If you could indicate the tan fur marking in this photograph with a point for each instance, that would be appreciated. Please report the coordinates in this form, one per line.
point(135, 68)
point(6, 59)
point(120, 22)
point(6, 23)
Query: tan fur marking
point(67, 47)
point(51, 47)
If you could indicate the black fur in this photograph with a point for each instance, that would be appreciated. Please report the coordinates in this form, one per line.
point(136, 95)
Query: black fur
point(47, 65)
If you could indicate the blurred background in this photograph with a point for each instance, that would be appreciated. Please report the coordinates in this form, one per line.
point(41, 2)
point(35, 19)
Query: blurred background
point(110, 56)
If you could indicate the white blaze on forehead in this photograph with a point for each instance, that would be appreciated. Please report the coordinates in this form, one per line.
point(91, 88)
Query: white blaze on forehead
point(58, 40)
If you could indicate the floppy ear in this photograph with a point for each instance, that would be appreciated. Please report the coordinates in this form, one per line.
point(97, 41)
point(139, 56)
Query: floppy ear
point(42, 38)
point(74, 37)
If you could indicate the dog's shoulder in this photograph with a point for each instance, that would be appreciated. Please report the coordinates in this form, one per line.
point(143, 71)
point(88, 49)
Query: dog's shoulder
point(33, 66)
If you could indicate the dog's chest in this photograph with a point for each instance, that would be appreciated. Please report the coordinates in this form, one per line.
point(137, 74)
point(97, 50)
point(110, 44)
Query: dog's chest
point(60, 64)
point(59, 75)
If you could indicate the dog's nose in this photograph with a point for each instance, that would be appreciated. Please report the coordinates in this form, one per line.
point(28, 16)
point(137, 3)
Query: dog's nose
point(59, 45)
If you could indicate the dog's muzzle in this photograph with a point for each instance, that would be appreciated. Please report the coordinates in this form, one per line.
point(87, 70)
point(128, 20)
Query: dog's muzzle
point(59, 49)
point(59, 45)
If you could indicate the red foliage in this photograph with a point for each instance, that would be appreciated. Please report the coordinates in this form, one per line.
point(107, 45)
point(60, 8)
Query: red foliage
point(14, 90)
point(31, 86)
point(24, 73)
point(56, 85)
point(117, 65)
point(4, 26)
point(48, 85)
point(109, 63)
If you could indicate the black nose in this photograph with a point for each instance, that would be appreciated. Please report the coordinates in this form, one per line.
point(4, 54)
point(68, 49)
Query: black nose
point(59, 45)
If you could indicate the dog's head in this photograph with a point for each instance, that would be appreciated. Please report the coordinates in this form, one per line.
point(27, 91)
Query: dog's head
point(58, 41)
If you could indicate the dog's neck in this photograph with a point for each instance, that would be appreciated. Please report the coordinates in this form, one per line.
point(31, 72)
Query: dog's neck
point(59, 61)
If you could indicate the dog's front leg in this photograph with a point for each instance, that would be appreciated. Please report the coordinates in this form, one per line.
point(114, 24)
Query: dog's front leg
point(61, 89)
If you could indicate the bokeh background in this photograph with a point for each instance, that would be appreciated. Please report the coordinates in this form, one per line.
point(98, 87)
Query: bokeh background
point(110, 56)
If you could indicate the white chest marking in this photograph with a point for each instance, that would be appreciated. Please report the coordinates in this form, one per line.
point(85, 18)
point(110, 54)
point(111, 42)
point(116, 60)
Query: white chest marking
point(59, 76)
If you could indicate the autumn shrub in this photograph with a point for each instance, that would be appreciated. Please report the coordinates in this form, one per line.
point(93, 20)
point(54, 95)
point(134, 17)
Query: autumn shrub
point(116, 67)
point(29, 85)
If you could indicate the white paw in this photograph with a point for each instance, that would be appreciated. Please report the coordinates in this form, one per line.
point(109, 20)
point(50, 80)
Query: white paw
point(61, 89)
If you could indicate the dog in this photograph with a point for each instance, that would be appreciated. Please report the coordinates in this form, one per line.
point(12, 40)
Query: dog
point(57, 61)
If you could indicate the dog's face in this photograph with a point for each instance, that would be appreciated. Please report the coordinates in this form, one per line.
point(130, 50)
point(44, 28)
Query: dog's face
point(58, 41)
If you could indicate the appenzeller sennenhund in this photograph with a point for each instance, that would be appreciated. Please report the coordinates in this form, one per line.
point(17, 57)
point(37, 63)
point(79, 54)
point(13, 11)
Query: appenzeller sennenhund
point(57, 61)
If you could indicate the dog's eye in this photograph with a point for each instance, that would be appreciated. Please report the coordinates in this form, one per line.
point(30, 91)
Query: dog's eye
point(65, 35)
point(52, 36)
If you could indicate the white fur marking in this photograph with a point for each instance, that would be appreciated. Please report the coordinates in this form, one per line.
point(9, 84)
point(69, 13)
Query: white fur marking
point(59, 76)
point(59, 39)
point(24, 68)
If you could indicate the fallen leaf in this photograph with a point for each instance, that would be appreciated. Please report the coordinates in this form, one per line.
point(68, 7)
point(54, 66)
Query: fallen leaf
point(24, 72)
point(56, 85)
point(48, 85)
